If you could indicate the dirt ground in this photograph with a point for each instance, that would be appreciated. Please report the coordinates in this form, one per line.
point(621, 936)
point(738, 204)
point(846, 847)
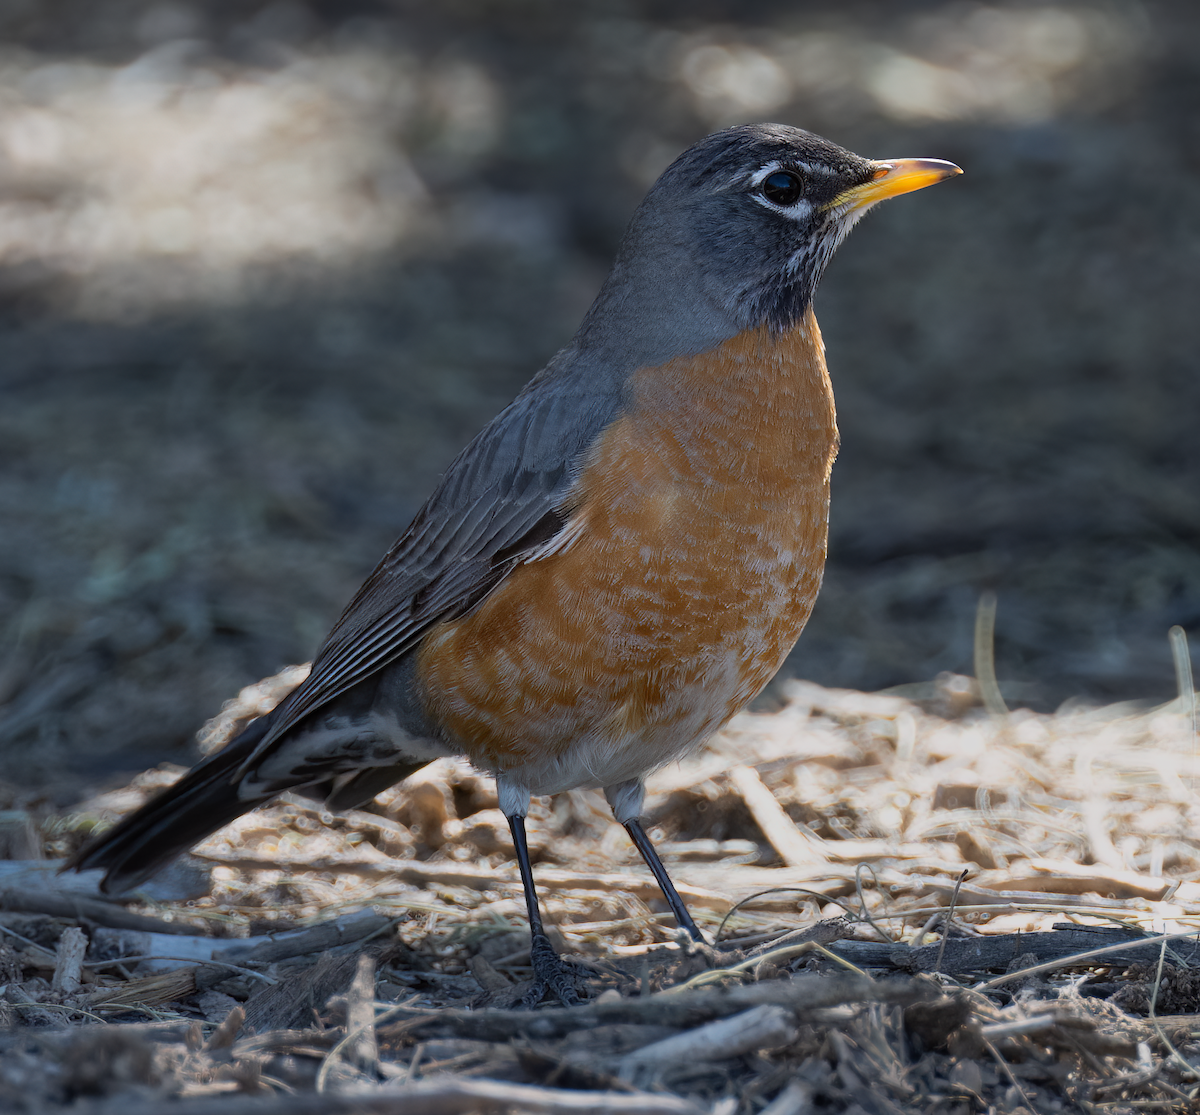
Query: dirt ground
point(917, 907)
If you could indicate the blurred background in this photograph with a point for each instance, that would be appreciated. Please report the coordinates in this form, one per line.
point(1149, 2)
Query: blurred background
point(264, 268)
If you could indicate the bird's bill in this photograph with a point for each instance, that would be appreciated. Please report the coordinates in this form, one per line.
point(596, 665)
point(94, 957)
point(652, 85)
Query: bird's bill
point(893, 177)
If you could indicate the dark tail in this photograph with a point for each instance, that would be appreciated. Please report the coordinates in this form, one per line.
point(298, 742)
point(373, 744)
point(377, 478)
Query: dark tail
point(197, 805)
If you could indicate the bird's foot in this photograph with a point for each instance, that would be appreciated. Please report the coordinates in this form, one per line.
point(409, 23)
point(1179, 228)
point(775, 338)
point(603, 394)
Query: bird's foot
point(699, 956)
point(701, 948)
point(551, 973)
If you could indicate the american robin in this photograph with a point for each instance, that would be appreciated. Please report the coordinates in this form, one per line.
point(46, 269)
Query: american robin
point(619, 561)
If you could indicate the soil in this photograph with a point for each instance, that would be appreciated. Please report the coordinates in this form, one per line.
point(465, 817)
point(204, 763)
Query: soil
point(264, 271)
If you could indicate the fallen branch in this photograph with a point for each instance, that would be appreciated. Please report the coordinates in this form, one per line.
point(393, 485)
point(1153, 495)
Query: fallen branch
point(964, 956)
point(437, 1096)
point(93, 910)
point(763, 1027)
point(802, 995)
point(163, 953)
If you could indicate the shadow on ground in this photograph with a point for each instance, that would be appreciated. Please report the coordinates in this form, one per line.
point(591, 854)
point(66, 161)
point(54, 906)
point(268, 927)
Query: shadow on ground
point(263, 272)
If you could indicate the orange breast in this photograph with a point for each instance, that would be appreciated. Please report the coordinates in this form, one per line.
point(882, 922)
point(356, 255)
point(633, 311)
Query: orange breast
point(695, 562)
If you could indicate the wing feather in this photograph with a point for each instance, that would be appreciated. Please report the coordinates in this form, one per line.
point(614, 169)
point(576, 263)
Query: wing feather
point(503, 499)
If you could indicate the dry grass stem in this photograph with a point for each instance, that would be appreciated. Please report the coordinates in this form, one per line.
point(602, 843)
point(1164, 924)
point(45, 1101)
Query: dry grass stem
point(794, 847)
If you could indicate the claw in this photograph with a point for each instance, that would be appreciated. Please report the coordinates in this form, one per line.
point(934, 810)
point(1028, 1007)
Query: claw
point(550, 973)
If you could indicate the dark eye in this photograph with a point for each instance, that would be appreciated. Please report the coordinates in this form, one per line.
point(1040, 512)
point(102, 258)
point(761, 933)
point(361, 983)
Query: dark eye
point(784, 187)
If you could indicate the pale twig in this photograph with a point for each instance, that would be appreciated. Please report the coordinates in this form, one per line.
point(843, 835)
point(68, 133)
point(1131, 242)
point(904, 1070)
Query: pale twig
point(985, 656)
point(762, 1027)
point(360, 1014)
point(226, 1033)
point(1103, 850)
point(68, 968)
point(795, 847)
point(353, 1035)
point(795, 1099)
point(1184, 683)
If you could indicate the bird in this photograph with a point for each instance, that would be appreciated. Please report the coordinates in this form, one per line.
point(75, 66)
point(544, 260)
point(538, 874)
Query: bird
point(618, 562)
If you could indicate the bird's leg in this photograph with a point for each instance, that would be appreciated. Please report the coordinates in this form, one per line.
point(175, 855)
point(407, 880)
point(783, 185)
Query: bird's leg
point(699, 943)
point(550, 971)
point(642, 842)
point(626, 799)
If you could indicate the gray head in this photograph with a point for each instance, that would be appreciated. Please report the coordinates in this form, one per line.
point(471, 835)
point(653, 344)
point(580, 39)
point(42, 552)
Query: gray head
point(736, 233)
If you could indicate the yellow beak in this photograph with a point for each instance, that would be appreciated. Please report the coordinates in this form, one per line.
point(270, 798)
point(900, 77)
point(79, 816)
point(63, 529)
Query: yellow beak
point(893, 177)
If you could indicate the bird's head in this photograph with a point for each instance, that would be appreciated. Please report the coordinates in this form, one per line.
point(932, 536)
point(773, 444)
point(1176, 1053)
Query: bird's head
point(746, 220)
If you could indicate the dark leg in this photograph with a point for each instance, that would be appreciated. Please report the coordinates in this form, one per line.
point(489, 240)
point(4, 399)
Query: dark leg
point(549, 970)
point(642, 842)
